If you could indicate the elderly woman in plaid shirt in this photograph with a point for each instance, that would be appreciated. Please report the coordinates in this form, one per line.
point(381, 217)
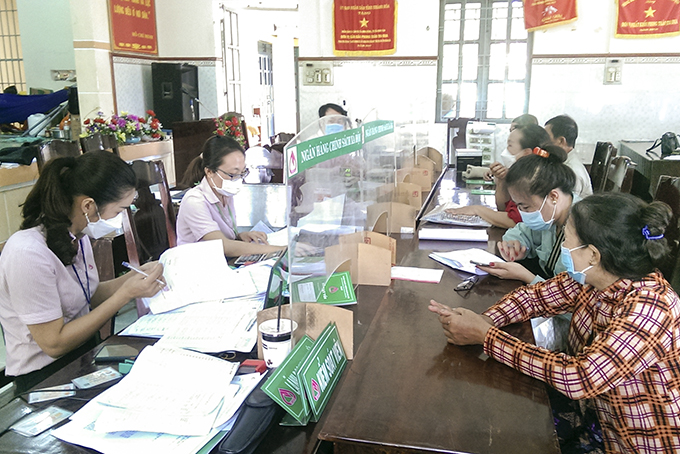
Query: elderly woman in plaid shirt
point(624, 338)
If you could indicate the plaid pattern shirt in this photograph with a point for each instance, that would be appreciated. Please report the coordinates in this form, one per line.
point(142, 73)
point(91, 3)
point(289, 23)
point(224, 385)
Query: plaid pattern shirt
point(624, 354)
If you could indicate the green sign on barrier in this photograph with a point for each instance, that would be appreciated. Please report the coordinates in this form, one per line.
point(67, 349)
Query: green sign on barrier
point(312, 152)
point(378, 128)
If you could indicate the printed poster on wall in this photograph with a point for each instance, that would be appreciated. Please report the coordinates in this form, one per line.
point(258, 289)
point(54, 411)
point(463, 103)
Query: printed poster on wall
point(364, 27)
point(540, 14)
point(133, 26)
point(646, 19)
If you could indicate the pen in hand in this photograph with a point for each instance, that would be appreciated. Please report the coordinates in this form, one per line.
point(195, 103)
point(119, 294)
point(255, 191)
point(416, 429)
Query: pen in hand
point(137, 270)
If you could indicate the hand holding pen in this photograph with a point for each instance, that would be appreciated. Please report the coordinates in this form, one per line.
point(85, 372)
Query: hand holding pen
point(153, 279)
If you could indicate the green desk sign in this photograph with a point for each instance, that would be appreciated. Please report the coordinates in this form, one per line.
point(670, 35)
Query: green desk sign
point(482, 191)
point(284, 386)
point(378, 128)
point(336, 290)
point(322, 369)
point(312, 152)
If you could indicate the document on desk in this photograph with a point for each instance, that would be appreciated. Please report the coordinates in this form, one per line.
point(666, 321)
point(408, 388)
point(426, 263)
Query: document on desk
point(409, 273)
point(196, 273)
point(169, 390)
point(81, 431)
point(464, 259)
point(206, 327)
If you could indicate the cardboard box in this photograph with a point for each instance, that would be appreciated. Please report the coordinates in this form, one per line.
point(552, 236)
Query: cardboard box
point(434, 155)
point(391, 217)
point(16, 175)
point(374, 238)
point(409, 194)
point(311, 319)
point(416, 175)
point(367, 264)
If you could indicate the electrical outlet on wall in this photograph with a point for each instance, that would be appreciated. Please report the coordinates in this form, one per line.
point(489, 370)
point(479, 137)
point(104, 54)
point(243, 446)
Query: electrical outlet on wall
point(319, 74)
point(612, 71)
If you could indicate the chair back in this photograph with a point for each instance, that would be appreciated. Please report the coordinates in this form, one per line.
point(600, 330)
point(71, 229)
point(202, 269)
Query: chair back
point(604, 153)
point(56, 149)
point(151, 229)
point(620, 175)
point(668, 191)
point(98, 142)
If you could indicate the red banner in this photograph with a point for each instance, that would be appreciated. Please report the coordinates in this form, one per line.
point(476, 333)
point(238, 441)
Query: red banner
point(364, 27)
point(540, 14)
point(647, 19)
point(133, 26)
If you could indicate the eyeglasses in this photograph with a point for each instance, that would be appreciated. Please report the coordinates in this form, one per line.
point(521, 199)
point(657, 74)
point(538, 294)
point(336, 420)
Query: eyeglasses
point(467, 284)
point(238, 176)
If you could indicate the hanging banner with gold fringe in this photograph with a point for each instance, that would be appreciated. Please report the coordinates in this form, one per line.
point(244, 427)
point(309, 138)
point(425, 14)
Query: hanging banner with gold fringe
point(540, 14)
point(364, 27)
point(647, 19)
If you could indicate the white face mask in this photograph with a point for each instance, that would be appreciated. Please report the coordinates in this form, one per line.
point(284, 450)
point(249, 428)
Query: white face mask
point(507, 158)
point(103, 227)
point(229, 187)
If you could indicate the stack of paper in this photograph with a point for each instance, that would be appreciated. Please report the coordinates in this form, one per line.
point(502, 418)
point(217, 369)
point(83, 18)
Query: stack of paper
point(464, 259)
point(173, 401)
point(453, 234)
point(198, 272)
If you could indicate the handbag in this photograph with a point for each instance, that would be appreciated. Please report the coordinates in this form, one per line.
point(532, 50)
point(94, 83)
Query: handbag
point(669, 145)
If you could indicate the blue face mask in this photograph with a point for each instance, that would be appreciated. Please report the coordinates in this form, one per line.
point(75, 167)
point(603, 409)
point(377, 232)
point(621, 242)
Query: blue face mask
point(534, 220)
point(568, 262)
point(333, 128)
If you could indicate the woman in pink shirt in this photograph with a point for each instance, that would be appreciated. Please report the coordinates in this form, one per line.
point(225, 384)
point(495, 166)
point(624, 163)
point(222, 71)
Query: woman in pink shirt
point(207, 209)
point(51, 300)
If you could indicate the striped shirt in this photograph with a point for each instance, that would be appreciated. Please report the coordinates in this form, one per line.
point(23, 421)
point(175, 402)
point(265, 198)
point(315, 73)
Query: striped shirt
point(624, 353)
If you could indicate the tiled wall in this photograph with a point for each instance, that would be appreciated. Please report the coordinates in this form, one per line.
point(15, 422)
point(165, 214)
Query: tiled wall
point(134, 86)
point(644, 106)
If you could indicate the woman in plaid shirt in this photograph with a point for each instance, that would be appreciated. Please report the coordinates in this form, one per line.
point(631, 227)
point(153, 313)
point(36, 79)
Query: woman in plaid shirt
point(624, 338)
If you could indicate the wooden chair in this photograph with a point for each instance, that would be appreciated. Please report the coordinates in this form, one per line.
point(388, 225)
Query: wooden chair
point(604, 153)
point(620, 175)
point(151, 229)
point(56, 149)
point(98, 141)
point(668, 191)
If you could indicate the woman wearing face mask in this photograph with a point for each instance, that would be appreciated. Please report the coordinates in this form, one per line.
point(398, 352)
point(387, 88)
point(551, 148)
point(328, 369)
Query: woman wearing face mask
point(623, 348)
point(51, 300)
point(542, 187)
point(521, 142)
point(207, 210)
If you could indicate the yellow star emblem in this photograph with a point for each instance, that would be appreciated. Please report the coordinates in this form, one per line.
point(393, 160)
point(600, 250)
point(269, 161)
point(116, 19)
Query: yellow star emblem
point(364, 22)
point(650, 12)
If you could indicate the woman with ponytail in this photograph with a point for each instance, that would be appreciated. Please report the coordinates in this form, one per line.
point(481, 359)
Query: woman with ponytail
point(207, 209)
point(624, 339)
point(51, 300)
point(542, 187)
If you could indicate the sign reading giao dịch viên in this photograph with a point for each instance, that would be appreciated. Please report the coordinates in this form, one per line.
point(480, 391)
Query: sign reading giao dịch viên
point(319, 364)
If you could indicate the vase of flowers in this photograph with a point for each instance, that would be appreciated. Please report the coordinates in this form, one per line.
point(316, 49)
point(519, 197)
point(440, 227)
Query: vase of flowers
point(229, 125)
point(126, 128)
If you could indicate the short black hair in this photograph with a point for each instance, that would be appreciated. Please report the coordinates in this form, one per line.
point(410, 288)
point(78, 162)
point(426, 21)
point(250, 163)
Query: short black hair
point(613, 222)
point(533, 136)
point(524, 120)
point(330, 105)
point(538, 175)
point(564, 126)
point(11, 90)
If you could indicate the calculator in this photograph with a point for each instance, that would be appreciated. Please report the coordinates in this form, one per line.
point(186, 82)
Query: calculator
point(253, 258)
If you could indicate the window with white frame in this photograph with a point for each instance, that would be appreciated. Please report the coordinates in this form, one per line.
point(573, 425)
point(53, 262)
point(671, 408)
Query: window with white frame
point(484, 60)
point(231, 59)
point(11, 57)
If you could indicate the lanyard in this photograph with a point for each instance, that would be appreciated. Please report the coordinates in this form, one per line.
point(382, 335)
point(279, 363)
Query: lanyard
point(233, 220)
point(87, 293)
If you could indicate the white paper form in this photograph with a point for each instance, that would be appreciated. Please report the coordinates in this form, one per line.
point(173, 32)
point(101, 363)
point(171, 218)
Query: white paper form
point(170, 390)
point(80, 430)
point(462, 259)
point(408, 273)
point(195, 273)
point(216, 327)
point(278, 238)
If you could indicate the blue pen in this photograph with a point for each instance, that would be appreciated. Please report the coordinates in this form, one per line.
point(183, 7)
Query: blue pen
point(137, 270)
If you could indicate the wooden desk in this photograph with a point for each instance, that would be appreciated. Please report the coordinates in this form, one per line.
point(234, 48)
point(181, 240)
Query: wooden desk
point(649, 167)
point(407, 390)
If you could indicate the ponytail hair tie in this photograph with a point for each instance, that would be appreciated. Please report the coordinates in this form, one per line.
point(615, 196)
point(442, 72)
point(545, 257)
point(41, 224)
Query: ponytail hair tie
point(645, 232)
point(541, 152)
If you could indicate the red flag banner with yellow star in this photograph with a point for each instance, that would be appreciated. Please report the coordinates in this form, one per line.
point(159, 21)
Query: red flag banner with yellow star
point(540, 14)
point(364, 27)
point(647, 19)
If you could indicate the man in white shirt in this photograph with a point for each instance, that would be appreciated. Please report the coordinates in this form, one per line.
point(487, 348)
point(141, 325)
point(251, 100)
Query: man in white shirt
point(563, 132)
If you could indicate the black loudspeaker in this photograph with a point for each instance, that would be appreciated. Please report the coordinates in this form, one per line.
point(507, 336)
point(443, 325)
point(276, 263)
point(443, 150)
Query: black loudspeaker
point(175, 92)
